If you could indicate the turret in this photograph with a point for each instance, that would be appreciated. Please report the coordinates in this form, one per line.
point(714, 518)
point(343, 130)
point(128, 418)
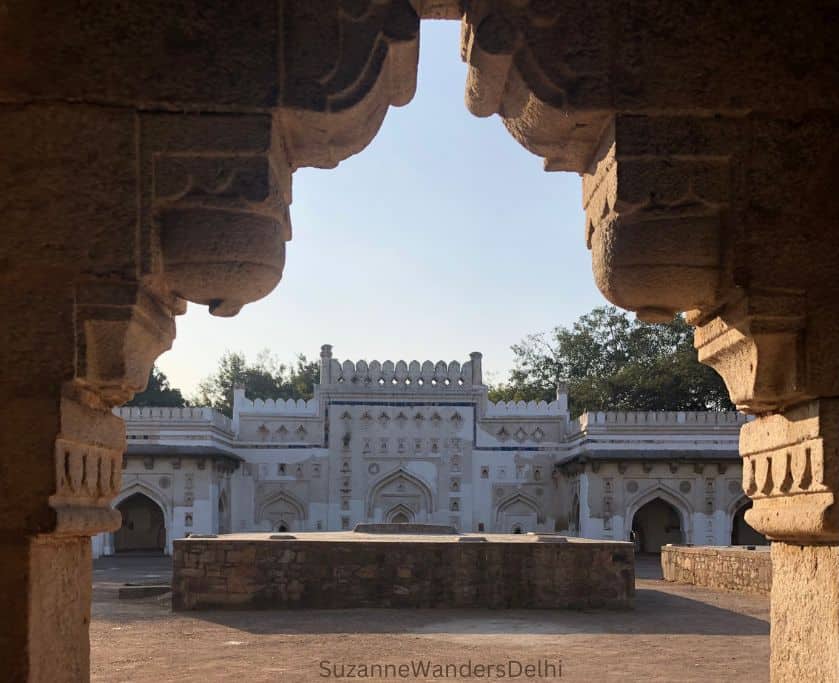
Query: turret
point(477, 371)
point(325, 364)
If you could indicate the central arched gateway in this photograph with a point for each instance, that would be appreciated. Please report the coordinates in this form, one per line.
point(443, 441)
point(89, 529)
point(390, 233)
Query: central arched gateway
point(401, 494)
point(656, 523)
point(143, 526)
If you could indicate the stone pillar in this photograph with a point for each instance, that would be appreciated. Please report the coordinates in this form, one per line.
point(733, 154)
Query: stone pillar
point(710, 192)
point(79, 333)
point(683, 213)
point(678, 230)
point(152, 168)
point(61, 465)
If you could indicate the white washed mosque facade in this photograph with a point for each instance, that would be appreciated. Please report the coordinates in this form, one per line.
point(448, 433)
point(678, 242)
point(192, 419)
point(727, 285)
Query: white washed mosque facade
point(420, 442)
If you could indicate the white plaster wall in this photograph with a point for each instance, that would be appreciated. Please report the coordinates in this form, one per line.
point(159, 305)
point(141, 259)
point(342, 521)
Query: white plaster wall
point(264, 449)
point(241, 501)
point(589, 527)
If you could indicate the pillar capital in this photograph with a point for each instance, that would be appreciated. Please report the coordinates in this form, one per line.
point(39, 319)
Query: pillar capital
point(791, 472)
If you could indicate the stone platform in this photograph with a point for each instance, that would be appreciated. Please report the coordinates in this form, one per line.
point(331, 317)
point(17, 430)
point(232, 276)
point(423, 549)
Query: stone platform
point(746, 569)
point(354, 569)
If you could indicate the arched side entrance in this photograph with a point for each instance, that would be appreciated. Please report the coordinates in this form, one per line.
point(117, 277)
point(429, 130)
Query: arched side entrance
point(574, 519)
point(656, 523)
point(143, 526)
point(741, 532)
point(223, 514)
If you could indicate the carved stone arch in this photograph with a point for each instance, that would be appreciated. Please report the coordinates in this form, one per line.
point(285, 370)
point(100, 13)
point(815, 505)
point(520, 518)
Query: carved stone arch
point(152, 494)
point(736, 503)
point(287, 509)
point(681, 504)
point(416, 488)
point(507, 503)
point(745, 534)
point(149, 491)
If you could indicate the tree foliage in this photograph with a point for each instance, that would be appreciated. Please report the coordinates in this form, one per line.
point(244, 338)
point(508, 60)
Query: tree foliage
point(612, 362)
point(158, 392)
point(265, 378)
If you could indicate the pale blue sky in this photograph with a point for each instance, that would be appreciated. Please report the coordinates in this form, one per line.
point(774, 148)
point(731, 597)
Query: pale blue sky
point(444, 236)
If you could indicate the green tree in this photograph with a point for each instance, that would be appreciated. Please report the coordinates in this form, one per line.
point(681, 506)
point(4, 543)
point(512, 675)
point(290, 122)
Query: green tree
point(612, 362)
point(265, 378)
point(158, 392)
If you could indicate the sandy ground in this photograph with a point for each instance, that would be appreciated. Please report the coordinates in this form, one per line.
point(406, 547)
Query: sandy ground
point(675, 633)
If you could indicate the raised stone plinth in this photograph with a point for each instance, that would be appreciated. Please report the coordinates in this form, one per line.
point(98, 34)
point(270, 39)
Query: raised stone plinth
point(737, 568)
point(404, 529)
point(356, 569)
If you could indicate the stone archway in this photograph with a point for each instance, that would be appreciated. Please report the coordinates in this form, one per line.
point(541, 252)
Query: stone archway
point(742, 533)
point(707, 189)
point(655, 524)
point(143, 526)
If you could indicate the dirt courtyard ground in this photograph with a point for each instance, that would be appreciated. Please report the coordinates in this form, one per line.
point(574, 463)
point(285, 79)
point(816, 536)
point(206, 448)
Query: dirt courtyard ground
point(675, 633)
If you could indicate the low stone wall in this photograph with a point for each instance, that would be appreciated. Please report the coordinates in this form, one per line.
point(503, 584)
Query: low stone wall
point(734, 568)
point(351, 569)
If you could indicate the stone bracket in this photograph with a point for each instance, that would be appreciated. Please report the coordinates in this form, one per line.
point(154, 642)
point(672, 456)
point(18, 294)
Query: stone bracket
point(345, 64)
point(655, 197)
point(120, 330)
point(756, 343)
point(215, 190)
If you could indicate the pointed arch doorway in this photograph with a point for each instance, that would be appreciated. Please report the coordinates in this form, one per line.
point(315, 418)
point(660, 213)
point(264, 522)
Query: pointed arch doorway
point(656, 523)
point(143, 526)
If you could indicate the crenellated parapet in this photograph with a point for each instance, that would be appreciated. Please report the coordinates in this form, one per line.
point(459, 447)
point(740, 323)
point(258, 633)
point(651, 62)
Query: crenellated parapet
point(525, 408)
point(279, 406)
point(404, 376)
point(647, 418)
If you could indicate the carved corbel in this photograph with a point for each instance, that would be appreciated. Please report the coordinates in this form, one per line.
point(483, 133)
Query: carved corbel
point(121, 329)
point(215, 190)
point(344, 65)
point(656, 197)
point(756, 344)
point(532, 65)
